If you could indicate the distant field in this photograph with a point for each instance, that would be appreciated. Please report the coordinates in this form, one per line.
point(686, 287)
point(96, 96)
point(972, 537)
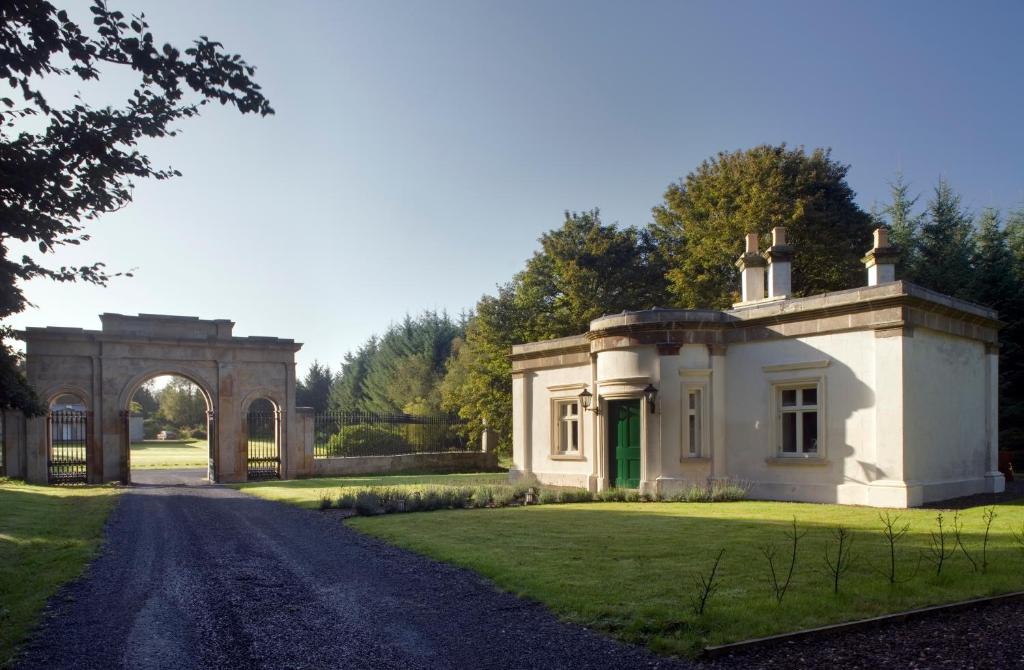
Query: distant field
point(168, 454)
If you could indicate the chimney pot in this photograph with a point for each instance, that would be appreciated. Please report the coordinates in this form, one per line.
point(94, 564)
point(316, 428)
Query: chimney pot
point(880, 261)
point(779, 257)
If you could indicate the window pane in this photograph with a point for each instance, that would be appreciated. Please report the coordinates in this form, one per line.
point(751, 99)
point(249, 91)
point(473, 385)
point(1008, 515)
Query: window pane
point(789, 433)
point(693, 435)
point(789, 398)
point(810, 436)
point(810, 396)
point(574, 435)
point(693, 400)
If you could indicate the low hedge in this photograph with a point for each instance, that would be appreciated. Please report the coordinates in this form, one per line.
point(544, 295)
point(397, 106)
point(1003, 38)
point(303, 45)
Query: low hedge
point(390, 499)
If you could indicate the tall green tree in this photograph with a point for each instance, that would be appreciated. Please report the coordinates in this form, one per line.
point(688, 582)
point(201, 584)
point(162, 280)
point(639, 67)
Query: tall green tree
point(583, 270)
point(903, 225)
point(182, 404)
point(702, 221)
point(314, 390)
point(63, 166)
point(996, 282)
point(945, 246)
point(401, 370)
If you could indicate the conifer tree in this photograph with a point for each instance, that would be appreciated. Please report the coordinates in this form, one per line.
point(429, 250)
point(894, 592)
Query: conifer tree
point(903, 225)
point(997, 284)
point(314, 390)
point(945, 245)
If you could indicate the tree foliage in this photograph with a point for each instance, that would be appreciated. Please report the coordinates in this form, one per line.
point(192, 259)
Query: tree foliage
point(945, 249)
point(182, 404)
point(314, 390)
point(702, 221)
point(945, 245)
point(400, 371)
point(63, 166)
point(583, 270)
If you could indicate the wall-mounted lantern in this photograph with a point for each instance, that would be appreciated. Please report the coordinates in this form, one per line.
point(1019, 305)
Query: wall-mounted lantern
point(586, 399)
point(650, 394)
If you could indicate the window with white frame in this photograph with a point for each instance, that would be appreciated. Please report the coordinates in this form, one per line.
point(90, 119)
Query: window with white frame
point(799, 429)
point(694, 423)
point(568, 428)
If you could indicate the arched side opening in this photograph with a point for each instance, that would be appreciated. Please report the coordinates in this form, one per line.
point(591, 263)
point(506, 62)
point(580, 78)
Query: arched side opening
point(168, 424)
point(67, 439)
point(262, 431)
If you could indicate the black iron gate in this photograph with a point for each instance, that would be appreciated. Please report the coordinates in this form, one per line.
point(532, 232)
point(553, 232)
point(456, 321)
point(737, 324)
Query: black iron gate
point(263, 452)
point(68, 431)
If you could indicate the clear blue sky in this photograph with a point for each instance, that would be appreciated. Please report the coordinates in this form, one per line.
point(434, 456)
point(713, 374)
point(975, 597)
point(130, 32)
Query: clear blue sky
point(420, 148)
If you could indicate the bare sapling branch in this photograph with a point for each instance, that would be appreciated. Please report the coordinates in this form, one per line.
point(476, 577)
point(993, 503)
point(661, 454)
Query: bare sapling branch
point(942, 546)
point(843, 539)
point(706, 586)
point(988, 517)
point(779, 588)
point(958, 527)
point(893, 531)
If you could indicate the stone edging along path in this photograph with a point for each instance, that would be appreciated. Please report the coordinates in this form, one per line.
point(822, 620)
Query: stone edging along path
point(850, 626)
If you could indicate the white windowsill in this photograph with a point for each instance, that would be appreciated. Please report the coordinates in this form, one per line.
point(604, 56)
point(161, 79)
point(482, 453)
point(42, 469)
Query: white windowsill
point(567, 456)
point(797, 460)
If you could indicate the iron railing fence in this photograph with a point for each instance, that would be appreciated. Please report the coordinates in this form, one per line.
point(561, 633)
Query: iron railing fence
point(68, 433)
point(342, 434)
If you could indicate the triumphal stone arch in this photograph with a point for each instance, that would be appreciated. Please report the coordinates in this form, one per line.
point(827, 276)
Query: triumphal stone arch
point(98, 371)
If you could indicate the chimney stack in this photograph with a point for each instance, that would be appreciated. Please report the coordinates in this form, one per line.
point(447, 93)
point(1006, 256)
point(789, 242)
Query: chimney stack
point(881, 259)
point(751, 266)
point(780, 263)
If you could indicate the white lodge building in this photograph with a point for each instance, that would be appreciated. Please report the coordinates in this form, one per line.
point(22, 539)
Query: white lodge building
point(884, 395)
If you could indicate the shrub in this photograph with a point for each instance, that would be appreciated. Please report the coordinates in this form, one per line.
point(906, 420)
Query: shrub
point(547, 497)
point(325, 500)
point(482, 496)
point(366, 502)
point(633, 496)
point(367, 440)
point(504, 496)
point(198, 433)
point(574, 496)
point(611, 495)
point(346, 500)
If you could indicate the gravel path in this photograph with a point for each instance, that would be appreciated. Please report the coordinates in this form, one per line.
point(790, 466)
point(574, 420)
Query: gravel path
point(207, 577)
point(198, 576)
point(987, 637)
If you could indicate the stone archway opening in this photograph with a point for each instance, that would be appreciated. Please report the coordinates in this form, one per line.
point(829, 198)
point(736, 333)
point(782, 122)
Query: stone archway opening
point(168, 425)
point(262, 432)
point(67, 439)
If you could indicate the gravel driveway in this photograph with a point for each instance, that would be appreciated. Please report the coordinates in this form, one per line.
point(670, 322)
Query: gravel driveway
point(198, 576)
point(207, 577)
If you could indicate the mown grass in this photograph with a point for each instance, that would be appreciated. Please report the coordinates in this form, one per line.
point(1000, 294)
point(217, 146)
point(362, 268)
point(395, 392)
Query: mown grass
point(47, 535)
point(308, 492)
point(628, 569)
point(168, 454)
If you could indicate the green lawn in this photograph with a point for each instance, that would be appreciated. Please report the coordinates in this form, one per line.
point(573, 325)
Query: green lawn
point(47, 534)
point(307, 492)
point(628, 569)
point(152, 454)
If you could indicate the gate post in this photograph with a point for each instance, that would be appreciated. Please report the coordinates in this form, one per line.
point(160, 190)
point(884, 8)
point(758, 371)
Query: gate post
point(211, 443)
point(126, 446)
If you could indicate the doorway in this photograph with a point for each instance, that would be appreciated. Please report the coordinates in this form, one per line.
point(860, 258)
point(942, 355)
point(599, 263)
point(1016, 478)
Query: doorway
point(624, 443)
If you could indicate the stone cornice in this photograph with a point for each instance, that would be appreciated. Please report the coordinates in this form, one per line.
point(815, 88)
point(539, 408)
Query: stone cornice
point(899, 305)
point(59, 334)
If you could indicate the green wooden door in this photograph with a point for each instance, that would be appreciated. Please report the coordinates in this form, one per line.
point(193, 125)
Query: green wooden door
point(624, 442)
